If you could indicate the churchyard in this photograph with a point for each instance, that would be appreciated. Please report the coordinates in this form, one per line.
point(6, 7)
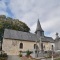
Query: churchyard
point(47, 56)
point(36, 46)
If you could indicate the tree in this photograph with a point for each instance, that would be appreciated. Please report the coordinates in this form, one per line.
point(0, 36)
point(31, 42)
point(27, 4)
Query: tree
point(10, 23)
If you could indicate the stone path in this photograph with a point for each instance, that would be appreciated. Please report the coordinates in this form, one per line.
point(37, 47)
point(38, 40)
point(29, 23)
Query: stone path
point(13, 57)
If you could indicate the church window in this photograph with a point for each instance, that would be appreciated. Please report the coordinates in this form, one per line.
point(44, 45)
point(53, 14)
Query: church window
point(34, 46)
point(44, 46)
point(41, 33)
point(21, 45)
point(52, 47)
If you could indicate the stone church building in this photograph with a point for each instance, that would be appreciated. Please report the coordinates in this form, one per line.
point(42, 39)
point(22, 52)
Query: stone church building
point(15, 41)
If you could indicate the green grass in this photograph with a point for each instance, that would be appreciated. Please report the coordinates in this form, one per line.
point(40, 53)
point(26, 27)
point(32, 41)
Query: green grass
point(57, 59)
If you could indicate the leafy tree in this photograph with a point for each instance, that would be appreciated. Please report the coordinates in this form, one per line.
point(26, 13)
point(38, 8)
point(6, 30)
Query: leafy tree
point(10, 23)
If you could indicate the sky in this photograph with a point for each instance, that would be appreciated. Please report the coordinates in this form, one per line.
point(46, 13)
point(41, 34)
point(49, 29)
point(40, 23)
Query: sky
point(29, 11)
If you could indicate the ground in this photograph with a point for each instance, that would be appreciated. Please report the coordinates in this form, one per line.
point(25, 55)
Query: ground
point(13, 57)
point(57, 59)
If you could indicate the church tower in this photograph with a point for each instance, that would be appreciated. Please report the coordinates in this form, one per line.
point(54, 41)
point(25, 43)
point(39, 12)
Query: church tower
point(39, 31)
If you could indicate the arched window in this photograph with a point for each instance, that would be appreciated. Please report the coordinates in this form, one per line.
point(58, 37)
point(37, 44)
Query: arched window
point(42, 46)
point(21, 45)
point(34, 46)
point(52, 47)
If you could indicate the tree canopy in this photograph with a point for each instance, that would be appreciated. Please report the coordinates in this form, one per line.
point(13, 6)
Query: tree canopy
point(10, 23)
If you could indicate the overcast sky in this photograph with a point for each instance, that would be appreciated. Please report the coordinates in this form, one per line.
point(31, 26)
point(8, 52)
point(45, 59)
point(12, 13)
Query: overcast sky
point(29, 11)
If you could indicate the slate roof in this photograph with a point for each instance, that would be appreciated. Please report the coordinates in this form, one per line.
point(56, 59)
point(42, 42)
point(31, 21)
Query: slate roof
point(26, 36)
point(13, 34)
point(48, 39)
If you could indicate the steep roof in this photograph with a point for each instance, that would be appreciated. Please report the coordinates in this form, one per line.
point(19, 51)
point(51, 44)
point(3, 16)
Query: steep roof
point(25, 36)
point(13, 34)
point(39, 26)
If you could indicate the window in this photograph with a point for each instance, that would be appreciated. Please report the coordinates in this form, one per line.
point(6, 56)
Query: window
point(41, 33)
point(34, 46)
point(44, 46)
point(52, 47)
point(21, 45)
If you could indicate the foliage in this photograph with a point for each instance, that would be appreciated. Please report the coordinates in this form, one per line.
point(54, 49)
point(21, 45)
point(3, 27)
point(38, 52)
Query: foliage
point(3, 55)
point(10, 23)
point(28, 53)
point(20, 54)
point(49, 54)
point(57, 59)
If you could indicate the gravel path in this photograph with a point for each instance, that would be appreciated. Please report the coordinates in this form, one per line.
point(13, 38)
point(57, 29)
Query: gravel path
point(13, 57)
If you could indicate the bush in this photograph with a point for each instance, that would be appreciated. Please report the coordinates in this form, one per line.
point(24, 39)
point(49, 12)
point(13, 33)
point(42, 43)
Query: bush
point(20, 54)
point(49, 54)
point(28, 53)
point(3, 55)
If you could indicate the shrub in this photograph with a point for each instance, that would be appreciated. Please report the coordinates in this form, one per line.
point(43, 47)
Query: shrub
point(28, 53)
point(20, 54)
point(3, 55)
point(48, 54)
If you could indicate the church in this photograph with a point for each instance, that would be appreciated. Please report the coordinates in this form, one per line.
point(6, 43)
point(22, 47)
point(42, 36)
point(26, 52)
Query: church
point(15, 41)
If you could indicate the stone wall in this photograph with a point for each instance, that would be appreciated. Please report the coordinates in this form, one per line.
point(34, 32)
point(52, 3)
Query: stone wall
point(11, 49)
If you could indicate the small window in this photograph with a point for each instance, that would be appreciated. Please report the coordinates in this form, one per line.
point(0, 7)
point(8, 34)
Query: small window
point(44, 46)
point(21, 45)
point(34, 46)
point(52, 47)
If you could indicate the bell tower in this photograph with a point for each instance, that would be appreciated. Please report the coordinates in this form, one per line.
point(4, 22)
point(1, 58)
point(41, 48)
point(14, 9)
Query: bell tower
point(39, 31)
